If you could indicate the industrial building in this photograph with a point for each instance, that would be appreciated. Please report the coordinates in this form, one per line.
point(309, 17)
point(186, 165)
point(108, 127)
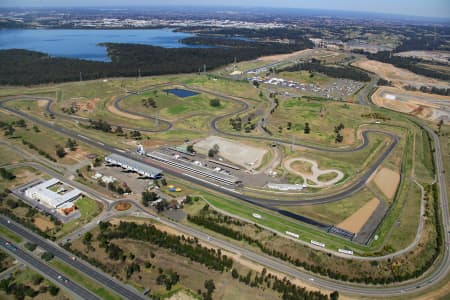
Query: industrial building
point(42, 193)
point(133, 165)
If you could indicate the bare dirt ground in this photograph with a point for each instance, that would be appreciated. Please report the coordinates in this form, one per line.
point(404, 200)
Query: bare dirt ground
point(425, 106)
point(237, 152)
point(441, 56)
point(398, 76)
point(356, 221)
point(181, 295)
point(349, 136)
point(43, 224)
point(78, 154)
point(42, 103)
point(284, 56)
point(387, 181)
point(114, 110)
point(314, 172)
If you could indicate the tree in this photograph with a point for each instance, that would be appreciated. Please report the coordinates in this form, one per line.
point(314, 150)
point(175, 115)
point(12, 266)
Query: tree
point(53, 290)
point(71, 144)
point(190, 148)
point(5, 174)
point(307, 129)
point(47, 256)
point(60, 151)
point(87, 238)
point(334, 295)
point(339, 138)
point(119, 130)
point(21, 123)
point(210, 286)
point(214, 102)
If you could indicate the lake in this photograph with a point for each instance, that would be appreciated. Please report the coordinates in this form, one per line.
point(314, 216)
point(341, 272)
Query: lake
point(181, 93)
point(83, 43)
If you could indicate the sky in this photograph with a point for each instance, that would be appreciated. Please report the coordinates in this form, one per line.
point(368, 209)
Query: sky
point(426, 8)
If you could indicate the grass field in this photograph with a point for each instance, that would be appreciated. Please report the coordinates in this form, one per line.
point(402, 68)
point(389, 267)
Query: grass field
point(29, 277)
point(10, 235)
point(171, 107)
point(335, 212)
point(46, 140)
point(88, 208)
point(8, 156)
point(81, 279)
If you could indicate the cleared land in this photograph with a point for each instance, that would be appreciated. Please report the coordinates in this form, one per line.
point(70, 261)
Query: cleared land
point(239, 153)
point(387, 181)
point(398, 76)
point(424, 106)
point(355, 222)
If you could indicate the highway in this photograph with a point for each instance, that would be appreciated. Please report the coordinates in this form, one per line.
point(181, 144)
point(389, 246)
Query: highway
point(47, 271)
point(118, 287)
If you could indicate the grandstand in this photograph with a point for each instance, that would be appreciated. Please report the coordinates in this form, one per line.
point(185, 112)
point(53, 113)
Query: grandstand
point(199, 170)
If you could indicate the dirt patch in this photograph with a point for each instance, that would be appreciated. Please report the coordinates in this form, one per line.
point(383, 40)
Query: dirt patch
point(302, 167)
point(181, 295)
point(349, 136)
point(88, 106)
point(42, 103)
point(43, 224)
point(235, 151)
point(122, 206)
point(79, 154)
point(283, 56)
point(398, 76)
point(154, 144)
point(115, 111)
point(425, 106)
point(356, 221)
point(387, 181)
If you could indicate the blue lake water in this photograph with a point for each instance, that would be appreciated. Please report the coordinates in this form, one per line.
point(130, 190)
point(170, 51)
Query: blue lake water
point(83, 43)
point(181, 93)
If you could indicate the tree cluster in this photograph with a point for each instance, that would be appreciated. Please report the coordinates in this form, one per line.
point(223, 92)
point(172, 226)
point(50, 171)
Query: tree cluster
point(149, 197)
point(6, 174)
point(40, 151)
point(180, 245)
point(332, 71)
point(149, 102)
point(429, 90)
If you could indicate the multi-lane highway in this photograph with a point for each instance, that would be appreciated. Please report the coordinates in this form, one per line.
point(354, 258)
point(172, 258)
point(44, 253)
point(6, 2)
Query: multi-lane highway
point(46, 270)
point(125, 291)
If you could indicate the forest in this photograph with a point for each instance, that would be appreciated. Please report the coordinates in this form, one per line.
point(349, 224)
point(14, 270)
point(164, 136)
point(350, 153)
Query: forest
point(23, 67)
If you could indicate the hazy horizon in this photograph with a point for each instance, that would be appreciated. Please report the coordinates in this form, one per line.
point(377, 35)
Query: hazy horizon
point(414, 8)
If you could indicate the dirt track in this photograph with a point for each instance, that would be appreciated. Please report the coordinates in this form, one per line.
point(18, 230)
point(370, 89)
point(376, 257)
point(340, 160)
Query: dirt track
point(355, 222)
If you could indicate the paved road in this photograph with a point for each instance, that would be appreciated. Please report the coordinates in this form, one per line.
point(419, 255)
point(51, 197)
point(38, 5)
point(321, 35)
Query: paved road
point(47, 271)
point(104, 279)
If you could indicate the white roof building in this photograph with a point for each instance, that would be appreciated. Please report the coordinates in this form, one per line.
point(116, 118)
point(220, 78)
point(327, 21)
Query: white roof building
point(41, 192)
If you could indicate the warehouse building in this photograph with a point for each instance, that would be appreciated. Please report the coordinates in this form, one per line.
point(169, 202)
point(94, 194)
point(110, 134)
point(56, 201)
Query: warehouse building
point(134, 166)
